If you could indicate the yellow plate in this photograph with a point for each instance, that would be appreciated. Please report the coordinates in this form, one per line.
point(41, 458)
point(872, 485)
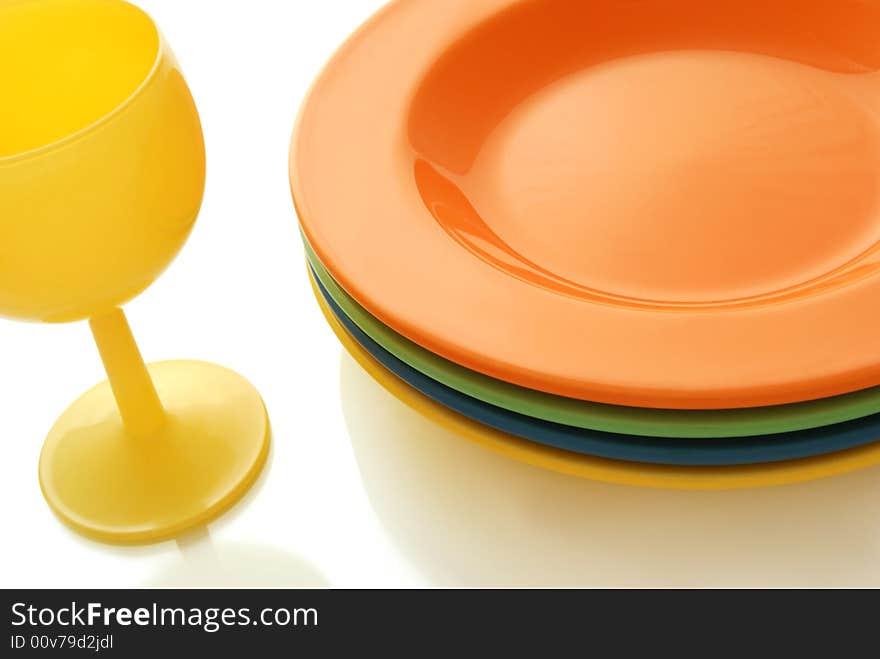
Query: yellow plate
point(612, 471)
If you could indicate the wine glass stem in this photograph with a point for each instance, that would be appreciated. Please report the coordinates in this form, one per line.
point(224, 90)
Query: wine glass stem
point(136, 397)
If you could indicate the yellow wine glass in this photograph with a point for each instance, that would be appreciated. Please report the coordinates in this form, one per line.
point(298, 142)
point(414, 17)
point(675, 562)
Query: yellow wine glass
point(102, 171)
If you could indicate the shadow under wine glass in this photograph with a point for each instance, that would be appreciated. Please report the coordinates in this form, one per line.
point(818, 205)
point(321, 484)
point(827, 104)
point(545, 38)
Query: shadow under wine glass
point(464, 515)
point(204, 563)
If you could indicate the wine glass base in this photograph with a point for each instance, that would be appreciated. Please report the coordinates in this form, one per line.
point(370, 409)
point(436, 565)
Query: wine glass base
point(117, 488)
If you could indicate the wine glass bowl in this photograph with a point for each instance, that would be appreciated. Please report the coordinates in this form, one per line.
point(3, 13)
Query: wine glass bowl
point(102, 160)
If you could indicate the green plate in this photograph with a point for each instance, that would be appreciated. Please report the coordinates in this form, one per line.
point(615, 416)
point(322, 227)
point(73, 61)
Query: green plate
point(600, 416)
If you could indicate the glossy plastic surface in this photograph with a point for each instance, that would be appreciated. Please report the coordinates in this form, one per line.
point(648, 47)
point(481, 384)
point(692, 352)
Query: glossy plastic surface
point(102, 170)
point(116, 486)
point(612, 471)
point(102, 162)
point(615, 446)
point(598, 416)
point(669, 204)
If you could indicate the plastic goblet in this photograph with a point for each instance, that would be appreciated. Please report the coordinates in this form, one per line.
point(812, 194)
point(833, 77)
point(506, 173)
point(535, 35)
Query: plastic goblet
point(102, 171)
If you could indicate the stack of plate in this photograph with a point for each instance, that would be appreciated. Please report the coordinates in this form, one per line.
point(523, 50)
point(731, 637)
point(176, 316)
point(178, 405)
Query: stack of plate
point(634, 242)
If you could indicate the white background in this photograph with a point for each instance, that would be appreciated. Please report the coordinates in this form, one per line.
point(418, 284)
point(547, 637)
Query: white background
point(360, 491)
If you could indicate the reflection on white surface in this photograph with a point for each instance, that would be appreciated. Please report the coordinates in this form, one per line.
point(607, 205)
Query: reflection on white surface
point(205, 563)
point(463, 515)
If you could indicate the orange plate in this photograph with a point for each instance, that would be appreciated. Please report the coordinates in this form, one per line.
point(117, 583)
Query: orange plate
point(660, 204)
